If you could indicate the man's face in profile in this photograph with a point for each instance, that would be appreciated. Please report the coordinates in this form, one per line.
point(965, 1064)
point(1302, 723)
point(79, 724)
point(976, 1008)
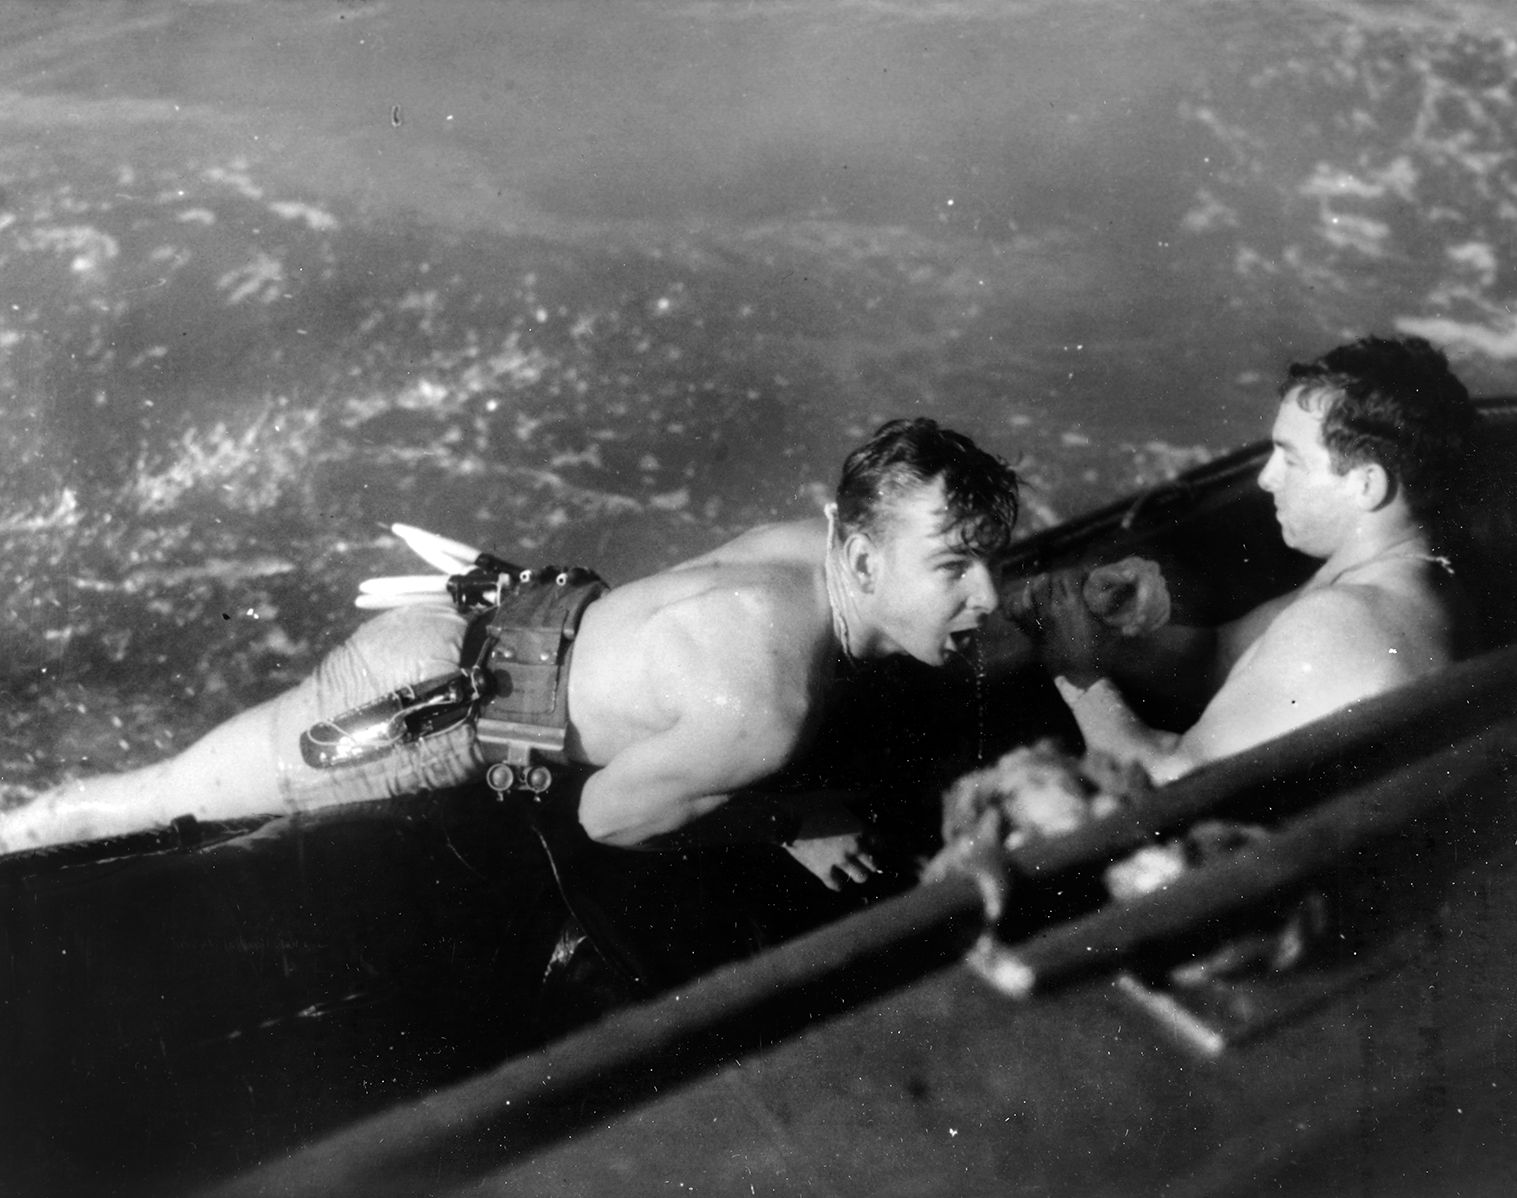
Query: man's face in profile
point(1313, 501)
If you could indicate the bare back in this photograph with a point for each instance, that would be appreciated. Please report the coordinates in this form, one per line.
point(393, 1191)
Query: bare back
point(700, 680)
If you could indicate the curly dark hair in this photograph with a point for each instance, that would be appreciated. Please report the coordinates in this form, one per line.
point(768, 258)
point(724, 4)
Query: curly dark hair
point(1394, 402)
point(981, 488)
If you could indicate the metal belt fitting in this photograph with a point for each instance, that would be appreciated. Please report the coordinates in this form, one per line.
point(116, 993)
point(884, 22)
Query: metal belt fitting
point(523, 644)
point(406, 714)
point(513, 680)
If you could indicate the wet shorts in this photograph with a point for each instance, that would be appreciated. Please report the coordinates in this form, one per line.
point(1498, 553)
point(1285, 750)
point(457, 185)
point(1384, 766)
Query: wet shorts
point(399, 648)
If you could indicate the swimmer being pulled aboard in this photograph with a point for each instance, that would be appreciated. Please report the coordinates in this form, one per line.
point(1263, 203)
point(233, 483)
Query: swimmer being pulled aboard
point(1367, 444)
point(677, 690)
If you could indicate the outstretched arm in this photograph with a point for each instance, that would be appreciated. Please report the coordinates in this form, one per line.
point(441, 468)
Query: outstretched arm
point(677, 789)
point(665, 782)
point(727, 714)
point(819, 828)
point(1109, 726)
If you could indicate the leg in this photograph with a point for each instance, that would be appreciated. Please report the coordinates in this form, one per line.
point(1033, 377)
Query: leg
point(231, 771)
point(251, 765)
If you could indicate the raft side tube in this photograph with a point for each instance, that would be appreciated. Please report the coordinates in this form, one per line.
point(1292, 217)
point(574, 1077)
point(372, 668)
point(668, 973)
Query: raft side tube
point(503, 1117)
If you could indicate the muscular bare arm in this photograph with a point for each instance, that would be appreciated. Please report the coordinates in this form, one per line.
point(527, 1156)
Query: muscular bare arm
point(726, 713)
point(663, 783)
point(673, 780)
point(720, 726)
point(721, 707)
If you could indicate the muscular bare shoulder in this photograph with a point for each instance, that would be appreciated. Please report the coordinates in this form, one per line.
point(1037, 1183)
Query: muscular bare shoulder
point(690, 685)
point(1330, 647)
point(1360, 635)
point(796, 542)
point(717, 644)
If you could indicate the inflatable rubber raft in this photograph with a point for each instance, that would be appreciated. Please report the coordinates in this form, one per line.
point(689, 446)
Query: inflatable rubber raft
point(338, 1005)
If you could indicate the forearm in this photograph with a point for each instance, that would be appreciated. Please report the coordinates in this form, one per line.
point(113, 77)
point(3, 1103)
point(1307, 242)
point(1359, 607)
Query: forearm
point(746, 818)
point(632, 816)
point(1109, 726)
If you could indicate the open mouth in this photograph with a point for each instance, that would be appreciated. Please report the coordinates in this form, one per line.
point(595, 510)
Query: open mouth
point(960, 643)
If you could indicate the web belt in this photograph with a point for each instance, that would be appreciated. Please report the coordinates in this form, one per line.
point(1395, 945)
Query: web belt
point(513, 680)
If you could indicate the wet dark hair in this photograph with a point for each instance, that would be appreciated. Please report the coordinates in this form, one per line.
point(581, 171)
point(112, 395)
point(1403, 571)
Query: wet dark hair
point(1394, 402)
point(981, 488)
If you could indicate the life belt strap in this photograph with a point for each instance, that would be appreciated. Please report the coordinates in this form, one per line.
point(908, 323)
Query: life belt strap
point(512, 680)
point(523, 645)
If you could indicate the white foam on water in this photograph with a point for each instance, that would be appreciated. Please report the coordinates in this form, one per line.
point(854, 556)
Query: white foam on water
point(248, 468)
point(221, 570)
point(261, 280)
point(311, 216)
point(93, 250)
point(64, 516)
point(1491, 339)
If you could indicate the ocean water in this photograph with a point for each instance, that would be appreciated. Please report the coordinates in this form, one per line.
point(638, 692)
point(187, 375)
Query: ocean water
point(608, 283)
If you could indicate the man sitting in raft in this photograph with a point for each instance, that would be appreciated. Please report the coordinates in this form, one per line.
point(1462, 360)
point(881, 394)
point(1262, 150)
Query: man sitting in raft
point(1367, 443)
point(677, 690)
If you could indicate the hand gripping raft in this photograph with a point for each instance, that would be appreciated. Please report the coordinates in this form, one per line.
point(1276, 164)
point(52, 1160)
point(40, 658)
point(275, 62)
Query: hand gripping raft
point(513, 677)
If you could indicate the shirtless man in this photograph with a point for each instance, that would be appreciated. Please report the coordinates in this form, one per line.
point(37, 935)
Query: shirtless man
point(683, 688)
point(1366, 444)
